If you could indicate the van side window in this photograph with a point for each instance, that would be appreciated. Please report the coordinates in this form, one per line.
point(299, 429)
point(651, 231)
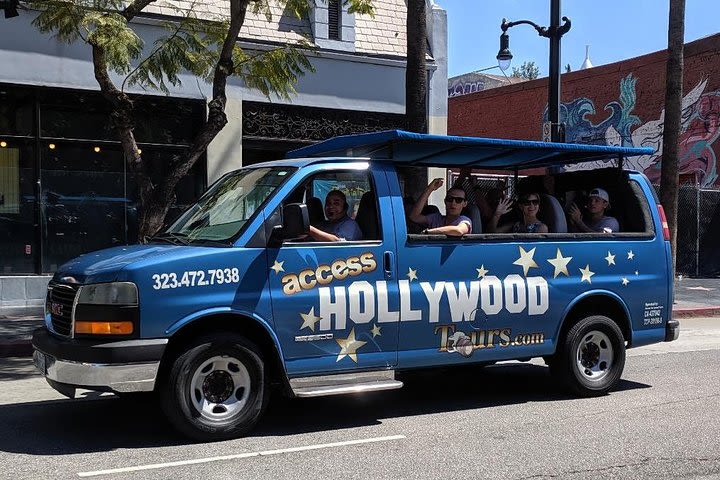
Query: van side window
point(575, 204)
point(342, 203)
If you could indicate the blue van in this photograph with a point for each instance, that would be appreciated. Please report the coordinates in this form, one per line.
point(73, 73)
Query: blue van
point(235, 299)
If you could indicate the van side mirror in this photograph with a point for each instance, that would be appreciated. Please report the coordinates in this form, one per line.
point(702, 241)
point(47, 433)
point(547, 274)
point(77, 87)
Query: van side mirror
point(296, 221)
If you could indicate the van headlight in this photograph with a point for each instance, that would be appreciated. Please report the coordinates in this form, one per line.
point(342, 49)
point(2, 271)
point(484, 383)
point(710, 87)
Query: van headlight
point(116, 293)
point(107, 309)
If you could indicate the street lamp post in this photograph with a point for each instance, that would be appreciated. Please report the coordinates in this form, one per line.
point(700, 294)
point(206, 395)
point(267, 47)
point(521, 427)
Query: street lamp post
point(554, 32)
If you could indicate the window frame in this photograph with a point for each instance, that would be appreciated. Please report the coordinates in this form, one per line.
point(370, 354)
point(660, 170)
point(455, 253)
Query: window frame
point(304, 183)
point(645, 206)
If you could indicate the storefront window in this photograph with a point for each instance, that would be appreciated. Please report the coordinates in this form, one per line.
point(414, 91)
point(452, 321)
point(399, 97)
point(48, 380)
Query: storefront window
point(17, 207)
point(62, 141)
point(83, 201)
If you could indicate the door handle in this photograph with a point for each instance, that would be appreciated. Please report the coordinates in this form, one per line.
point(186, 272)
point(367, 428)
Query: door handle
point(388, 264)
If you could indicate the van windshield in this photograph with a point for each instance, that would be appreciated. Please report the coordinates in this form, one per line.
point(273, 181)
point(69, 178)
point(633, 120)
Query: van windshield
point(222, 212)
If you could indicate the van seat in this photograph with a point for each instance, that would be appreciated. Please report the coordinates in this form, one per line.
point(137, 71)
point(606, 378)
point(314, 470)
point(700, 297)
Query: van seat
point(552, 214)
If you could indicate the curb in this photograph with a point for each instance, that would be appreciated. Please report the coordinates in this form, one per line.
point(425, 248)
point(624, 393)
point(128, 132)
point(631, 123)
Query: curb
point(16, 348)
point(696, 312)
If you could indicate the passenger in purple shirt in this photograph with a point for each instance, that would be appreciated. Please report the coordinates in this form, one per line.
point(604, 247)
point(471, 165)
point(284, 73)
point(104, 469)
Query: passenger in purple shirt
point(338, 226)
point(596, 220)
point(453, 224)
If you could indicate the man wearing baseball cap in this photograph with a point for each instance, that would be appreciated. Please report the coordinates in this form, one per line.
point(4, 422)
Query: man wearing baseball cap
point(595, 220)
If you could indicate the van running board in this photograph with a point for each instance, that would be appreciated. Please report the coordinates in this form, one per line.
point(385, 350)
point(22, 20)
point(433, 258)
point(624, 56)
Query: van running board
point(343, 384)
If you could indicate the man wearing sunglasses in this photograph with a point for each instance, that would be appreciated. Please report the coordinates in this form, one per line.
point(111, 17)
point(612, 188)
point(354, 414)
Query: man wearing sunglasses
point(453, 223)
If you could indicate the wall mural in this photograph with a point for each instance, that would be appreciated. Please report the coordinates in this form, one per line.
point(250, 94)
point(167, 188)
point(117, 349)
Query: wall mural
point(699, 132)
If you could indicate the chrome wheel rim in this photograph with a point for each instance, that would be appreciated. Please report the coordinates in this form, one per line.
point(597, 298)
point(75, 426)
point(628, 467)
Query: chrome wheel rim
point(220, 388)
point(594, 356)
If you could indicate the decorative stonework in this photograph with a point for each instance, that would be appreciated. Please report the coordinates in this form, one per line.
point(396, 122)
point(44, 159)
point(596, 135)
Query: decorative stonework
point(269, 121)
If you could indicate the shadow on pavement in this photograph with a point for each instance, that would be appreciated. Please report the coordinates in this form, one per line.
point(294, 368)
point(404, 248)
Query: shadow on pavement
point(435, 391)
point(16, 368)
point(103, 424)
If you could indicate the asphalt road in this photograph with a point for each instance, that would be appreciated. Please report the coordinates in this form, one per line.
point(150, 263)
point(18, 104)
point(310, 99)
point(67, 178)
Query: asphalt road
point(505, 421)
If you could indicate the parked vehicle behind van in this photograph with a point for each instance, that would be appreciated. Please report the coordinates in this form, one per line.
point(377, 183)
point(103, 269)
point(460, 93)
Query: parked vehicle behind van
point(234, 298)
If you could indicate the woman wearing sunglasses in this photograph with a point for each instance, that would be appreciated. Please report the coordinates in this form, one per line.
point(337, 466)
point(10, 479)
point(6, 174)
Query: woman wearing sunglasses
point(453, 223)
point(529, 203)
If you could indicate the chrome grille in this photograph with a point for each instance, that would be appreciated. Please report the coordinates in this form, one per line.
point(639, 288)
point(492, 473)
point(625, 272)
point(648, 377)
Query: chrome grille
point(59, 304)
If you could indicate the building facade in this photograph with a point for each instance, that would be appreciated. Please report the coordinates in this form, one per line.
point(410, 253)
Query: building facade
point(623, 104)
point(64, 188)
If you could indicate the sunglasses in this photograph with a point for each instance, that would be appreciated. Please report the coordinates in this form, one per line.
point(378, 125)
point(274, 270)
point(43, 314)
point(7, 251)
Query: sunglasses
point(450, 199)
point(530, 202)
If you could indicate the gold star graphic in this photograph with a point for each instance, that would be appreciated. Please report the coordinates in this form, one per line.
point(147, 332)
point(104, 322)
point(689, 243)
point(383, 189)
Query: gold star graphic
point(349, 346)
point(631, 255)
point(560, 263)
point(412, 274)
point(481, 271)
point(375, 330)
point(278, 267)
point(625, 281)
point(586, 274)
point(526, 260)
point(610, 259)
point(309, 319)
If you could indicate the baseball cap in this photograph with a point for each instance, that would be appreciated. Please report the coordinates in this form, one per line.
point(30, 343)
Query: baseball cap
point(600, 193)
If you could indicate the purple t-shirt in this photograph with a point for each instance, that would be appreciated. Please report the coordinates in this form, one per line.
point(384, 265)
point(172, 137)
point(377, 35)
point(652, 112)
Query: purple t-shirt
point(435, 220)
point(605, 225)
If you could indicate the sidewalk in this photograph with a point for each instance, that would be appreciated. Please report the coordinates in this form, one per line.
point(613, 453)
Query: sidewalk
point(693, 298)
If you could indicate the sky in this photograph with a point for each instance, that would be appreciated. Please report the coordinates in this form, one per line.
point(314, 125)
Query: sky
point(614, 29)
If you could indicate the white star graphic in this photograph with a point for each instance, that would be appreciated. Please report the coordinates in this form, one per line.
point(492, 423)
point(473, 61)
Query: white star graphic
point(278, 267)
point(637, 273)
point(412, 274)
point(349, 346)
point(309, 319)
point(526, 260)
point(481, 271)
point(625, 281)
point(631, 255)
point(586, 274)
point(560, 263)
point(375, 330)
point(610, 259)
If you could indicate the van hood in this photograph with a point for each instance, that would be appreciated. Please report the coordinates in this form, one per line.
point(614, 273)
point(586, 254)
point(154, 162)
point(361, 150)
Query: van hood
point(106, 265)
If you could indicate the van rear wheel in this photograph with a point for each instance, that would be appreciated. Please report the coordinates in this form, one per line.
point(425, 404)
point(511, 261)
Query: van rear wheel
point(216, 389)
point(591, 358)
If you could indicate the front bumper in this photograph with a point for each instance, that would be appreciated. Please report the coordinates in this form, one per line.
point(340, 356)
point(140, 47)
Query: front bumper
point(121, 366)
point(672, 330)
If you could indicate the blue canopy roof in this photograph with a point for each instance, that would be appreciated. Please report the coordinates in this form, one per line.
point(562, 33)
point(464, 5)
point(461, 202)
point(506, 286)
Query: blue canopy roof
point(449, 151)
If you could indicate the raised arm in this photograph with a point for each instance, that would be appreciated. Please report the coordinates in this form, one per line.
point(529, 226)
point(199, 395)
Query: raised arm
point(416, 212)
point(503, 207)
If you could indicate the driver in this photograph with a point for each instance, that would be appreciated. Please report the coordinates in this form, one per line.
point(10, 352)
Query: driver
point(339, 226)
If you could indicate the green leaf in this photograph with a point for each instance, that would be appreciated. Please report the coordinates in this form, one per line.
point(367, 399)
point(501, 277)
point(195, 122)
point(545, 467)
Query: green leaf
point(111, 32)
point(273, 72)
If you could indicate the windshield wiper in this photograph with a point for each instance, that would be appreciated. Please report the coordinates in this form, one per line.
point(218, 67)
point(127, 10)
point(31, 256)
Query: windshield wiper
point(172, 237)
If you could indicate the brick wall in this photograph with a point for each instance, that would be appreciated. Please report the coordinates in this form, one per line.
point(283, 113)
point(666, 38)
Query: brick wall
point(620, 103)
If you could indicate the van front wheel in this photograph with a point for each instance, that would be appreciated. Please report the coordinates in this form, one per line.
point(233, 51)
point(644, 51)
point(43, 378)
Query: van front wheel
point(215, 389)
point(592, 357)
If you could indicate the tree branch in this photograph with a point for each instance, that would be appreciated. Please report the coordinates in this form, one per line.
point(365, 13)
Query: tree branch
point(216, 107)
point(134, 8)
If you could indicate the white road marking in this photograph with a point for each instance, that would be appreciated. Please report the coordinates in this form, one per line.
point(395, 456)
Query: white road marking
point(240, 456)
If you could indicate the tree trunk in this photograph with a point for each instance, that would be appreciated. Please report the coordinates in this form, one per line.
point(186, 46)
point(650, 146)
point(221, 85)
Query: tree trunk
point(673, 104)
point(416, 72)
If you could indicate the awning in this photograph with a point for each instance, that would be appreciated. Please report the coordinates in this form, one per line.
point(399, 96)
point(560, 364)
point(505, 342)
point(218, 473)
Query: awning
point(415, 149)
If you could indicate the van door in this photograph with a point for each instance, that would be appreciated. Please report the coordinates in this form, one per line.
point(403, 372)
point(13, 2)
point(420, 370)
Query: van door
point(335, 303)
point(464, 300)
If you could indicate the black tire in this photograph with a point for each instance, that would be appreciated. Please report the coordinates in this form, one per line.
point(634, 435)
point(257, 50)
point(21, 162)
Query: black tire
point(216, 389)
point(591, 357)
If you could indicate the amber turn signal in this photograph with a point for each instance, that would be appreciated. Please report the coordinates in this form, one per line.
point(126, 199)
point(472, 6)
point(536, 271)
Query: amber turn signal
point(104, 328)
